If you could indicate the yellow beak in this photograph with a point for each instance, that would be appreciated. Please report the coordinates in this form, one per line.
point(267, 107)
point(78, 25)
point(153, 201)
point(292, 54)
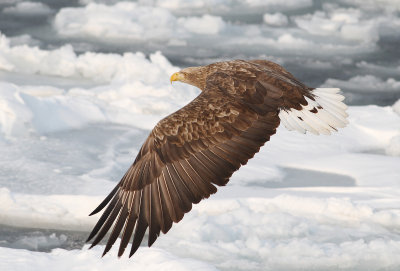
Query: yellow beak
point(174, 77)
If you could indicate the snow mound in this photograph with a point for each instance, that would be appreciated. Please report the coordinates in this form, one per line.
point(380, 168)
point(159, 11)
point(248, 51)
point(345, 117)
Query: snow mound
point(206, 24)
point(28, 9)
point(276, 19)
point(28, 109)
point(396, 107)
point(394, 146)
point(99, 67)
point(131, 84)
point(366, 83)
point(313, 234)
point(210, 35)
point(343, 23)
point(150, 259)
point(134, 22)
point(250, 233)
point(372, 5)
point(217, 6)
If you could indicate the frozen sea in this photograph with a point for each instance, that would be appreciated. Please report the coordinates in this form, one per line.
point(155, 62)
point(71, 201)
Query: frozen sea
point(83, 82)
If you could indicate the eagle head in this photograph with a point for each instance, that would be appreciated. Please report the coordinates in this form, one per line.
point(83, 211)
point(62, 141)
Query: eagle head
point(195, 76)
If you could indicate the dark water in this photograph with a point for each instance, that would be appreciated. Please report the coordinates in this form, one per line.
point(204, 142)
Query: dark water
point(40, 239)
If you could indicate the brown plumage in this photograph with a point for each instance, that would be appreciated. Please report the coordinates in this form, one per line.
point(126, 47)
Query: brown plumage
point(199, 147)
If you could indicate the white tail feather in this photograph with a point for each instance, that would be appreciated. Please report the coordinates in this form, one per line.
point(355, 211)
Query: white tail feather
point(322, 116)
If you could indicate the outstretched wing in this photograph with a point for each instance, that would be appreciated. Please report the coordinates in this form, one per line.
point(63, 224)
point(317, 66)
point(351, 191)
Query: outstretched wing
point(191, 151)
point(319, 111)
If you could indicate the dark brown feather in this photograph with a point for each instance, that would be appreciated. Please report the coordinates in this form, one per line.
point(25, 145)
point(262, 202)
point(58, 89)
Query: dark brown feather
point(105, 201)
point(103, 218)
point(140, 228)
point(201, 181)
point(155, 215)
point(108, 223)
point(130, 224)
point(121, 220)
point(168, 199)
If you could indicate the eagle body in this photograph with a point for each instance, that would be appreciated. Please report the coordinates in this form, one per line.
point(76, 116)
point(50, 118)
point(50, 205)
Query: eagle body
point(197, 148)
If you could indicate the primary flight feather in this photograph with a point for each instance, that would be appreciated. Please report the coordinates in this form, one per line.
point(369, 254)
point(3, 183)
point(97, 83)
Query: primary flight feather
point(200, 146)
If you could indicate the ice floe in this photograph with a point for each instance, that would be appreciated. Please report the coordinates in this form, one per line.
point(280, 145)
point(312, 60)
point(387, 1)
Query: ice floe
point(28, 9)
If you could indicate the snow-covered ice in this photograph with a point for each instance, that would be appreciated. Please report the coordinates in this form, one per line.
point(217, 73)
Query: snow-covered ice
point(28, 9)
point(197, 32)
point(276, 19)
point(59, 259)
point(82, 85)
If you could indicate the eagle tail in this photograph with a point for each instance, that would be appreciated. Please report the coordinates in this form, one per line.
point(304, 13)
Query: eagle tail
point(324, 114)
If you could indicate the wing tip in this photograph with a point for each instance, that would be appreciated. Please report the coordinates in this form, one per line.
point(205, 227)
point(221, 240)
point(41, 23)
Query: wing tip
point(95, 211)
point(104, 253)
point(133, 250)
point(322, 115)
point(105, 201)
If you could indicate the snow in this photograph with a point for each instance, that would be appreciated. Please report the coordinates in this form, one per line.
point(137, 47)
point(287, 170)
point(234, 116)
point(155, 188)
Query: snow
point(8, 2)
point(343, 36)
point(305, 232)
point(369, 83)
point(155, 259)
point(276, 19)
point(65, 62)
point(216, 6)
point(394, 146)
point(396, 107)
point(28, 9)
point(136, 24)
point(82, 86)
point(133, 21)
point(391, 5)
point(264, 218)
point(23, 39)
point(206, 24)
point(344, 23)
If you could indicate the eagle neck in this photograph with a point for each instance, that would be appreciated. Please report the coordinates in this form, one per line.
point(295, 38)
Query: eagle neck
point(196, 76)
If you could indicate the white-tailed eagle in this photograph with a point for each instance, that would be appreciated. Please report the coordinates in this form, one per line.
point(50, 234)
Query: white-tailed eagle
point(201, 145)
